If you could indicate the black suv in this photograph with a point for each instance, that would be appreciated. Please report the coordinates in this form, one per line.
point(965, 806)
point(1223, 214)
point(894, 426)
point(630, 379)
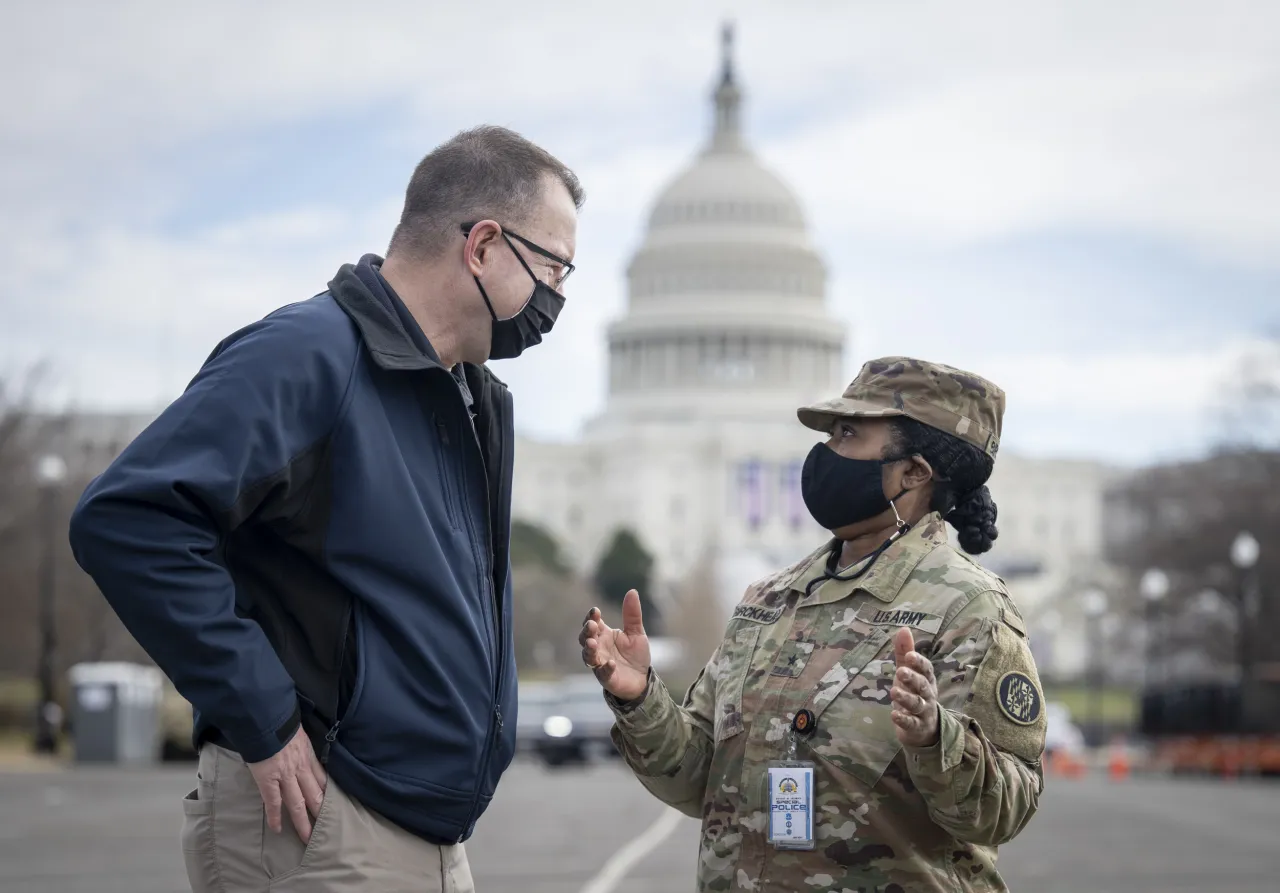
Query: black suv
point(576, 724)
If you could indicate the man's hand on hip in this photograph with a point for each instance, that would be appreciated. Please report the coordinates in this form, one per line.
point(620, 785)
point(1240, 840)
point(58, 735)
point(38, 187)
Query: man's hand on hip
point(294, 779)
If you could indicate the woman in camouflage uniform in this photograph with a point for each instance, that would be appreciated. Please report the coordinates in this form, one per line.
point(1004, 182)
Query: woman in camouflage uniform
point(893, 663)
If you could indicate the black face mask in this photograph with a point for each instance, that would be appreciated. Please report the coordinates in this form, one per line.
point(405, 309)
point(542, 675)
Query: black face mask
point(839, 491)
point(512, 336)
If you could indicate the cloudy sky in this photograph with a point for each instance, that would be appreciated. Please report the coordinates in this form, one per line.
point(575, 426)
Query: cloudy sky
point(1079, 200)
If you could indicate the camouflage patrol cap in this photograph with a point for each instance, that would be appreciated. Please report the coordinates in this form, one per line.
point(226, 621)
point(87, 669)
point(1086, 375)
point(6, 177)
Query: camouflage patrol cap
point(951, 400)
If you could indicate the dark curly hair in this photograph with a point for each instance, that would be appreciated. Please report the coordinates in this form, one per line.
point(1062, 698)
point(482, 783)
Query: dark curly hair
point(960, 473)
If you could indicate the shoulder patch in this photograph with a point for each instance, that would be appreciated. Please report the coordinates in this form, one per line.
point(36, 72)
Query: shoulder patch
point(1018, 698)
point(1006, 699)
point(757, 613)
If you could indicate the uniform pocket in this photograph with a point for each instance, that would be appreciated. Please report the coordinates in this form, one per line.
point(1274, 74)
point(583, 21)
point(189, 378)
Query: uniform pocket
point(236, 814)
point(194, 809)
point(197, 806)
point(285, 855)
point(198, 853)
point(732, 664)
point(863, 741)
point(854, 732)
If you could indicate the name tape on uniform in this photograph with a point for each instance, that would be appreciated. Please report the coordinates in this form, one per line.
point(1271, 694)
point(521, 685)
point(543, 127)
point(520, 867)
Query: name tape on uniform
point(757, 613)
point(921, 620)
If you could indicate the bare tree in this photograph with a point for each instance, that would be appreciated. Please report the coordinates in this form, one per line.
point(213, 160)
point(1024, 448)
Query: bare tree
point(698, 620)
point(549, 609)
point(17, 456)
point(1251, 410)
point(18, 505)
point(87, 628)
point(1182, 519)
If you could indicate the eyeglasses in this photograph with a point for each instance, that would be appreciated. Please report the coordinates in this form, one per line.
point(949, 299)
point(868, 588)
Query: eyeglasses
point(566, 267)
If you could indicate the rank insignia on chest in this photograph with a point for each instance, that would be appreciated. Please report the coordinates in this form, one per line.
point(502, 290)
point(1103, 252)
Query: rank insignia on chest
point(1019, 699)
point(792, 658)
point(790, 664)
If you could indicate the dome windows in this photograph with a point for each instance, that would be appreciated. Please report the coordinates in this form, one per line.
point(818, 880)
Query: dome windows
point(735, 212)
point(656, 277)
point(684, 361)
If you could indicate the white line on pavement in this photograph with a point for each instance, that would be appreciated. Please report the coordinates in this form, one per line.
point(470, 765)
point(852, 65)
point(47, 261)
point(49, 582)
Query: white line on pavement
point(626, 858)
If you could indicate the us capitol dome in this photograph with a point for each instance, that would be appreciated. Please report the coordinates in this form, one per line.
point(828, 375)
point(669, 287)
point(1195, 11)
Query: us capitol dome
point(726, 313)
point(697, 450)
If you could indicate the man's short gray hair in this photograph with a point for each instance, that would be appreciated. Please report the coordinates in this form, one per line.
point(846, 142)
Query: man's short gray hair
point(486, 172)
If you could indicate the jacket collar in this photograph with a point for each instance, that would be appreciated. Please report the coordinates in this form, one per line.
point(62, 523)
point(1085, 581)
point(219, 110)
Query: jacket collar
point(887, 575)
point(384, 334)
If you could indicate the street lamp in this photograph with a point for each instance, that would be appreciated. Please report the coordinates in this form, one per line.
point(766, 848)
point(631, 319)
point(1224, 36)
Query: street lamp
point(1245, 550)
point(1153, 587)
point(1095, 608)
point(1244, 555)
point(51, 470)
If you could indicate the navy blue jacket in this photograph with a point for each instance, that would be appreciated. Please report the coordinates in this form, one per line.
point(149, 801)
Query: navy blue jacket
point(317, 532)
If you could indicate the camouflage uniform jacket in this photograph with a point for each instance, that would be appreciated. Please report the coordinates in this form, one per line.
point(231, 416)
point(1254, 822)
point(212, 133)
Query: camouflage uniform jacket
point(887, 819)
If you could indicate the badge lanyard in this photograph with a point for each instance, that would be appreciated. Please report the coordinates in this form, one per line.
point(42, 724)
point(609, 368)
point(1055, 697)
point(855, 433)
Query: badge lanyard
point(791, 790)
point(791, 781)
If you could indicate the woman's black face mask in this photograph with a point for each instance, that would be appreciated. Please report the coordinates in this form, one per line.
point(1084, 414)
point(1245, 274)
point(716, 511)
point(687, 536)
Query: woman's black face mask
point(839, 491)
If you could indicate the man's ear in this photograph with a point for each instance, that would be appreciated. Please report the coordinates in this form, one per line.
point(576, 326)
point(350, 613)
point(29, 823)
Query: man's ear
point(481, 241)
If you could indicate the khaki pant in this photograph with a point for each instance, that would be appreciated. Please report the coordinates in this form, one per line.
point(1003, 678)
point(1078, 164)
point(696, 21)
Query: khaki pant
point(229, 848)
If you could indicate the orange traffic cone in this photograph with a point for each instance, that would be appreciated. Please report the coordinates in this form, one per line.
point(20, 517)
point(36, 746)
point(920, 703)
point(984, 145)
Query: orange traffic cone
point(1057, 763)
point(1118, 761)
point(1230, 761)
point(1065, 765)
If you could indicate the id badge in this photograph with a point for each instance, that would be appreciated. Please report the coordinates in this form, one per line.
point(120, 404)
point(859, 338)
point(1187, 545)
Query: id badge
point(791, 804)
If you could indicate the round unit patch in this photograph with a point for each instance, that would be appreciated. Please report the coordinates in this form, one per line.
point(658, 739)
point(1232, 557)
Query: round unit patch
point(1019, 699)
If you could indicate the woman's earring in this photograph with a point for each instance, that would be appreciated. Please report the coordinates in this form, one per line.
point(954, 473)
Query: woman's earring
point(902, 525)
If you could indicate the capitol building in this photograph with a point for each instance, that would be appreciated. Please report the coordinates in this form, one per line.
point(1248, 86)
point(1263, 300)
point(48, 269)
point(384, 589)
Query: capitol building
point(726, 333)
point(698, 451)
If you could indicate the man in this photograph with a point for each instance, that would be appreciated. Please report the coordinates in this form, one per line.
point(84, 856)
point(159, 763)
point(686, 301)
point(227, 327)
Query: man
point(312, 542)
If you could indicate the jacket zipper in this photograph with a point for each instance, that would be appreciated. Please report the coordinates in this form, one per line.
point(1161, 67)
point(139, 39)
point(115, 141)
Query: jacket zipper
point(332, 735)
point(329, 737)
point(499, 653)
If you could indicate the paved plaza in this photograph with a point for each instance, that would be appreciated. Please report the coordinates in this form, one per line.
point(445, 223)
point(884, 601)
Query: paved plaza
point(596, 830)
